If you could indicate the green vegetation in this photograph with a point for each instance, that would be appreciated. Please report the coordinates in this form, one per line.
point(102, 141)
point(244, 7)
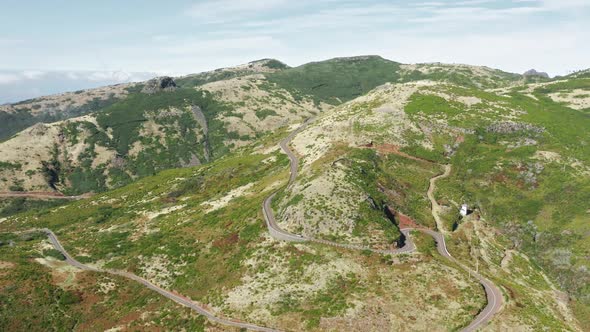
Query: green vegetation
point(54, 253)
point(539, 203)
point(264, 113)
point(12, 206)
point(275, 64)
point(48, 298)
point(365, 171)
point(183, 222)
point(462, 76)
point(338, 80)
point(177, 141)
point(13, 122)
point(9, 166)
point(432, 105)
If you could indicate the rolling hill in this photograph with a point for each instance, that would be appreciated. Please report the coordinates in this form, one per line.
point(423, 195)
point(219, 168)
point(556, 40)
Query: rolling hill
point(180, 176)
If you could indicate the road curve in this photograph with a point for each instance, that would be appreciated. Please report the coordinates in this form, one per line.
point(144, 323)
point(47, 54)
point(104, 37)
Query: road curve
point(493, 294)
point(168, 294)
point(280, 234)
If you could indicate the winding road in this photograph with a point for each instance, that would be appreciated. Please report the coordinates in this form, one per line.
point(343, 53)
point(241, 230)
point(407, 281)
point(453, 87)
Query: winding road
point(494, 296)
point(199, 308)
point(493, 293)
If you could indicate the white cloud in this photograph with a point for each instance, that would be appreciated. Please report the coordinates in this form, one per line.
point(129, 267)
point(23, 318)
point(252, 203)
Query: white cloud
point(564, 4)
point(212, 47)
point(218, 11)
point(33, 74)
point(7, 78)
point(217, 33)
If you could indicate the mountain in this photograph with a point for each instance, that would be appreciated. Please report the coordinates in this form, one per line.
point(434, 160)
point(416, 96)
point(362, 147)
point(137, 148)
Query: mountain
point(363, 164)
point(142, 133)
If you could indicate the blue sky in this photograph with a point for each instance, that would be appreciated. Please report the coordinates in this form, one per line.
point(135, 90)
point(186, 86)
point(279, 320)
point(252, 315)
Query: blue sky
point(52, 46)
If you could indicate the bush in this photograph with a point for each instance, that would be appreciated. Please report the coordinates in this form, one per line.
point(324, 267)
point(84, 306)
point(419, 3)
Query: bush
point(54, 253)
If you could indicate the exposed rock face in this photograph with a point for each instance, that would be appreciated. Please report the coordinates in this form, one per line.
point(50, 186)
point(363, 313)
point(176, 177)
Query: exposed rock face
point(158, 84)
point(534, 73)
point(508, 127)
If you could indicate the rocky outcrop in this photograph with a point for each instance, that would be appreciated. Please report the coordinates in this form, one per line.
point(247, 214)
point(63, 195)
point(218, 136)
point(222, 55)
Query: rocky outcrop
point(534, 73)
point(159, 84)
point(508, 127)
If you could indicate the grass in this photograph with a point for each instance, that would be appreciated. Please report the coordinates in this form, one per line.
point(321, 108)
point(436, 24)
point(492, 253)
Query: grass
point(12, 206)
point(541, 208)
point(432, 105)
point(463, 77)
point(178, 141)
point(34, 299)
point(264, 113)
point(338, 80)
point(12, 123)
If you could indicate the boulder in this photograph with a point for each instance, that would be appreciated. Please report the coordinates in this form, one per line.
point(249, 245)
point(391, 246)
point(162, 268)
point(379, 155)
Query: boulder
point(159, 84)
point(534, 73)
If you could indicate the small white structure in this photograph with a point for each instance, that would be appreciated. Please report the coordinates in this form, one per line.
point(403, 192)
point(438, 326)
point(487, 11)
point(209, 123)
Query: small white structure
point(464, 210)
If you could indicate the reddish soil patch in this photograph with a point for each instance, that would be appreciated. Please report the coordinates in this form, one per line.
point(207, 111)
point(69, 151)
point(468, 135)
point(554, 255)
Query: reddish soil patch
point(500, 178)
point(403, 220)
point(407, 222)
point(227, 241)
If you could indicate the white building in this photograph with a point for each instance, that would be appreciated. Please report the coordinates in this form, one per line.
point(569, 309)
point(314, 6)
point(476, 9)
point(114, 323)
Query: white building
point(464, 210)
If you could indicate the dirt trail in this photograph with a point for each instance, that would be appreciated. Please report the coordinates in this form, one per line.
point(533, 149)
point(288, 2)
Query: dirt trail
point(493, 293)
point(435, 207)
point(42, 195)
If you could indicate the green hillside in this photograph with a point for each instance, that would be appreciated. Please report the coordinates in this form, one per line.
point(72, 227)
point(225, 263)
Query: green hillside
point(337, 80)
point(181, 175)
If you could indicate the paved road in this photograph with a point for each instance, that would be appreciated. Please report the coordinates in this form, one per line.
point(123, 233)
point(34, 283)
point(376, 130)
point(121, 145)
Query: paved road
point(493, 294)
point(172, 296)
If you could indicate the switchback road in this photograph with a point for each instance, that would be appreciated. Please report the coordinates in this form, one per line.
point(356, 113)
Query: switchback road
point(493, 294)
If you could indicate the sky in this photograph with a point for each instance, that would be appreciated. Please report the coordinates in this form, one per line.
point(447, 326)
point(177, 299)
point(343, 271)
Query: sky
point(62, 45)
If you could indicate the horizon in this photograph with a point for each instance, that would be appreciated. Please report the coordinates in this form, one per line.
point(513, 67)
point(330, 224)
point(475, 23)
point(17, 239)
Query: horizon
point(110, 42)
point(98, 79)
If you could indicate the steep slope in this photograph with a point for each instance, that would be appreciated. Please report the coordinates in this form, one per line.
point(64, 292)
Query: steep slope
point(200, 232)
point(510, 157)
point(145, 133)
point(135, 137)
point(342, 79)
point(337, 80)
point(16, 117)
point(518, 158)
point(125, 136)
